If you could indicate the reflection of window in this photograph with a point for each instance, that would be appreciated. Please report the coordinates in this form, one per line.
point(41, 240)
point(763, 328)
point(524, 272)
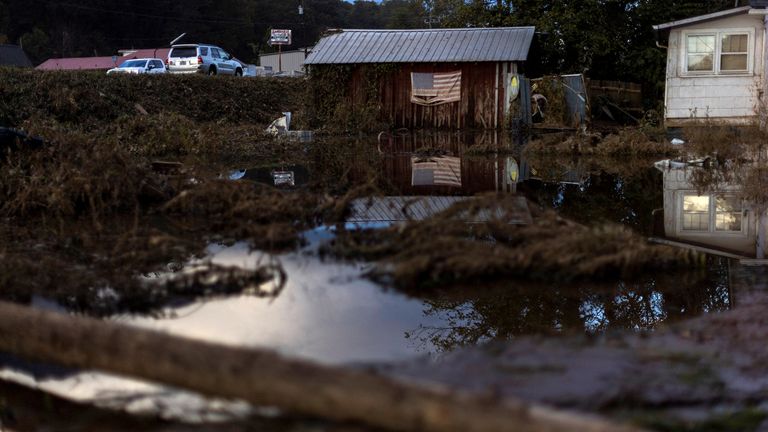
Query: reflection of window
point(717, 53)
point(700, 215)
point(728, 214)
point(695, 213)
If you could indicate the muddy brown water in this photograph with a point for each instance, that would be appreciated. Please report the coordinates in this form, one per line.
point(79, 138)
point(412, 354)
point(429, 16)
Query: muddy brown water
point(329, 312)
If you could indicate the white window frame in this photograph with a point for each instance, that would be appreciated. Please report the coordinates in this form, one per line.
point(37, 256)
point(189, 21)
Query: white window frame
point(742, 232)
point(718, 34)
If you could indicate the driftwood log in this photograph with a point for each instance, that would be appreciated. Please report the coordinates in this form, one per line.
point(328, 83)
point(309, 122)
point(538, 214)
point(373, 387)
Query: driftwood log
point(263, 377)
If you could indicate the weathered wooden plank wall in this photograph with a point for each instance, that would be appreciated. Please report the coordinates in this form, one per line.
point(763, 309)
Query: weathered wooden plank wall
point(624, 94)
point(482, 97)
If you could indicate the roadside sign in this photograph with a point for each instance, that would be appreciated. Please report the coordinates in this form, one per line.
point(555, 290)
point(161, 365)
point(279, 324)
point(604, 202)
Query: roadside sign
point(280, 37)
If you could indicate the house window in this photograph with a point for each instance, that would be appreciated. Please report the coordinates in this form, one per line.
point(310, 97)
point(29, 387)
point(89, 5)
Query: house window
point(701, 53)
point(727, 213)
point(700, 215)
point(695, 213)
point(734, 53)
point(717, 52)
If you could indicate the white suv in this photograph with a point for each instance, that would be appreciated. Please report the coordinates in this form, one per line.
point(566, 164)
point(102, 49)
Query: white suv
point(198, 58)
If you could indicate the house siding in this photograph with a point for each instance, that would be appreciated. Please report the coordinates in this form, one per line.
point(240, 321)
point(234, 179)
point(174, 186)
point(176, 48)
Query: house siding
point(290, 61)
point(728, 98)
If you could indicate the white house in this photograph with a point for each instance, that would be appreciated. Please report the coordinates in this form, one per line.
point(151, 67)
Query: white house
point(719, 220)
point(716, 66)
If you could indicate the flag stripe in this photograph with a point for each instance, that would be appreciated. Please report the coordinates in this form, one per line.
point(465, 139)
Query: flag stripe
point(435, 89)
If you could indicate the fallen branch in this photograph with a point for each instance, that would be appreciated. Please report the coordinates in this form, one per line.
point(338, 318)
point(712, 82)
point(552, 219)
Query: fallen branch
point(263, 377)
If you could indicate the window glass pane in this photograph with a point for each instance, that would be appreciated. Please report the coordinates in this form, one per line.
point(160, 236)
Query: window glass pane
point(728, 222)
point(733, 62)
point(728, 213)
point(701, 44)
point(183, 52)
point(696, 204)
point(698, 62)
point(728, 204)
point(701, 52)
point(735, 43)
point(695, 213)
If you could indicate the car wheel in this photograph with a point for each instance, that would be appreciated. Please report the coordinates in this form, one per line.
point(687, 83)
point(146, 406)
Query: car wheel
point(238, 72)
point(212, 71)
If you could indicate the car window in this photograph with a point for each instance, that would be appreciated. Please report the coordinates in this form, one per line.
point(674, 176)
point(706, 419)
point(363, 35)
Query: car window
point(224, 54)
point(215, 53)
point(183, 52)
point(203, 51)
point(134, 63)
point(157, 63)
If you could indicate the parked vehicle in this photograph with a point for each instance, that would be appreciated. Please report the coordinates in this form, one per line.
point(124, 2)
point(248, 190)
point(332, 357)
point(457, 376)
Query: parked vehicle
point(199, 58)
point(141, 66)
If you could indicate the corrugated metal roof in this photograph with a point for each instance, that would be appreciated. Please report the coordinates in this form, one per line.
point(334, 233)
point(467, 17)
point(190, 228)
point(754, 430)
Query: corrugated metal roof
point(424, 46)
point(703, 18)
point(417, 208)
point(13, 55)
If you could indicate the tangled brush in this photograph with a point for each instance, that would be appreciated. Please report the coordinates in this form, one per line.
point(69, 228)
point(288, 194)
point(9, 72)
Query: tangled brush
point(446, 250)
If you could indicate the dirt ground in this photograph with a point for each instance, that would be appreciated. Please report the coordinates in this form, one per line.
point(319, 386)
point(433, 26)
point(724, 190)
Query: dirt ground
point(704, 374)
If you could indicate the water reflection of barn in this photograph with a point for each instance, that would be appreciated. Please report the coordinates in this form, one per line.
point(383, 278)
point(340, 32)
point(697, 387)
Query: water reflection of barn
point(463, 173)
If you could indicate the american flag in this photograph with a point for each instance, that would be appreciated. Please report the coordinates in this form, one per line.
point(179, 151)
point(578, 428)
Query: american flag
point(436, 171)
point(435, 88)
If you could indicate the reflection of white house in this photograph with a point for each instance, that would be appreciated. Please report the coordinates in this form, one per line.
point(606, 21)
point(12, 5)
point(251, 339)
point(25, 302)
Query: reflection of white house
point(721, 221)
point(715, 65)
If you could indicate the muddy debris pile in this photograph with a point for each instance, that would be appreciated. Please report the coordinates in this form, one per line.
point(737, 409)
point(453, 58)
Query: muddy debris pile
point(445, 249)
point(626, 142)
point(90, 225)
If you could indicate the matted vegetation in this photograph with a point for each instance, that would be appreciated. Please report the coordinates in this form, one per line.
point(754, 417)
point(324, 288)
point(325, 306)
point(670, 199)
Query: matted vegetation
point(445, 249)
point(94, 98)
point(626, 142)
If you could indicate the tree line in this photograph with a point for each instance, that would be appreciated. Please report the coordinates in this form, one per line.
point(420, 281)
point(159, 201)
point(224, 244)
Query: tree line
point(607, 39)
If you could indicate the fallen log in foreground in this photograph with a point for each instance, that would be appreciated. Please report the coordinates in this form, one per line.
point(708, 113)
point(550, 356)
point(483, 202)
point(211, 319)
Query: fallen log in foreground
point(263, 377)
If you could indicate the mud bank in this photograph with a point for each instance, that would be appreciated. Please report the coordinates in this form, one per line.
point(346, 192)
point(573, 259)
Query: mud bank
point(704, 374)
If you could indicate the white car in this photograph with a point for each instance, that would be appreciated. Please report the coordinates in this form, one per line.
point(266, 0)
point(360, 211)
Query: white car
point(205, 59)
point(141, 66)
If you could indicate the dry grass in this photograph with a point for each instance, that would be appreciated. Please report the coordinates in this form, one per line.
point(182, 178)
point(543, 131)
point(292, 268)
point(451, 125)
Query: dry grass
point(736, 157)
point(627, 142)
point(58, 239)
point(94, 99)
point(723, 142)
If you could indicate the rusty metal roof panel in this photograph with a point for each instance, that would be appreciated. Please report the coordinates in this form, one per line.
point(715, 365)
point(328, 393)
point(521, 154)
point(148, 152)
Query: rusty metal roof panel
point(423, 46)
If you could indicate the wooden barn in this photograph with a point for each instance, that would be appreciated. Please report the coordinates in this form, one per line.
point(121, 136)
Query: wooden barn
point(466, 78)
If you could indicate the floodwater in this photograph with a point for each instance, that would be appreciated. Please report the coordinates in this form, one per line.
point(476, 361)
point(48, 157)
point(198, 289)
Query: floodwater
point(329, 312)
